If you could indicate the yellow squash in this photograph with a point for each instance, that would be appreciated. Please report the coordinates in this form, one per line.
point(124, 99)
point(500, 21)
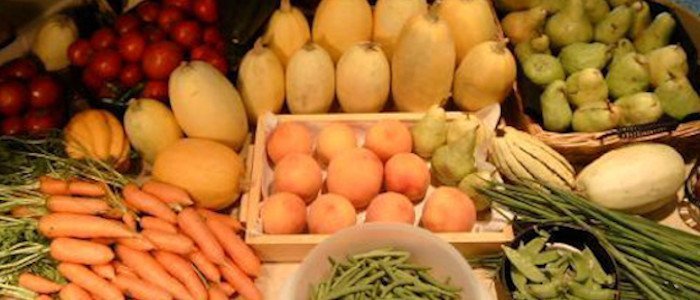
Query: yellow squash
point(261, 82)
point(310, 81)
point(471, 22)
point(362, 79)
point(340, 24)
point(390, 16)
point(287, 31)
point(97, 134)
point(151, 127)
point(485, 76)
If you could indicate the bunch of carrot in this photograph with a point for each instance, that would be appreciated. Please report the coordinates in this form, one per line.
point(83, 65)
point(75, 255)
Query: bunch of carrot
point(159, 247)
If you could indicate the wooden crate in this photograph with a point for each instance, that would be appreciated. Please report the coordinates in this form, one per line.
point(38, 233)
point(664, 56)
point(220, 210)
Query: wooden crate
point(291, 248)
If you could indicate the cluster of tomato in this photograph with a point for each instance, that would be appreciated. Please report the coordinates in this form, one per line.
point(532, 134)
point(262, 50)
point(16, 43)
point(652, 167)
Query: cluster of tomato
point(146, 44)
point(31, 100)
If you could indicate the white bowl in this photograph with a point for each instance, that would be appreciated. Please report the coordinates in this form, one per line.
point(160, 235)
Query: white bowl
point(426, 249)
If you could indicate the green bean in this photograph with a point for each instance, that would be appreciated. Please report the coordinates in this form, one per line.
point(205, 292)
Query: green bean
point(597, 272)
point(582, 265)
point(545, 290)
point(520, 282)
point(524, 265)
point(533, 247)
point(546, 257)
point(581, 291)
point(336, 294)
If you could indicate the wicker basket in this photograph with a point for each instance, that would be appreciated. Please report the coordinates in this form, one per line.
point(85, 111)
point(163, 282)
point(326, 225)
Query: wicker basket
point(522, 110)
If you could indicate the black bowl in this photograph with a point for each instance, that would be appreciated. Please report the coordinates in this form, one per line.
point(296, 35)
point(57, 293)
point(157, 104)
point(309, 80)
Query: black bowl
point(565, 234)
point(690, 183)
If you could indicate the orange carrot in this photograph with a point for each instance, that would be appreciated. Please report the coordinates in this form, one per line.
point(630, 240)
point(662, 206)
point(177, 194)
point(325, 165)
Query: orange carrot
point(114, 213)
point(81, 226)
point(68, 204)
point(137, 243)
point(105, 271)
point(227, 288)
point(205, 266)
point(236, 248)
point(151, 271)
point(148, 203)
point(52, 186)
point(72, 291)
point(129, 220)
point(183, 271)
point(226, 219)
point(122, 269)
point(216, 293)
point(38, 284)
point(167, 193)
point(43, 297)
point(173, 242)
point(84, 188)
point(157, 224)
point(80, 252)
point(140, 289)
point(89, 281)
point(103, 241)
point(240, 281)
point(193, 226)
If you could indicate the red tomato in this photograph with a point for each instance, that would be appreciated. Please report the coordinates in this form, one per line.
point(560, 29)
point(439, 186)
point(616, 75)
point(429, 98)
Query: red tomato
point(169, 16)
point(13, 98)
point(12, 126)
point(156, 89)
point(80, 52)
point(107, 64)
point(219, 62)
point(202, 52)
point(103, 38)
point(148, 11)
point(131, 75)
point(22, 68)
point(127, 23)
point(211, 35)
point(39, 121)
point(44, 92)
point(187, 33)
point(107, 91)
point(160, 59)
point(91, 80)
point(219, 47)
point(153, 34)
point(185, 5)
point(131, 46)
point(206, 10)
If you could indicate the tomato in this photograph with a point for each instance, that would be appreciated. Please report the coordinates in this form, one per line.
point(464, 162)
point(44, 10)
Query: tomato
point(187, 33)
point(153, 34)
point(169, 16)
point(211, 35)
point(185, 5)
point(13, 98)
point(131, 75)
point(39, 121)
point(219, 62)
point(80, 52)
point(202, 52)
point(107, 91)
point(107, 64)
point(156, 89)
point(148, 11)
point(91, 80)
point(21, 68)
point(127, 23)
point(160, 59)
point(206, 10)
point(44, 92)
point(103, 38)
point(131, 46)
point(12, 126)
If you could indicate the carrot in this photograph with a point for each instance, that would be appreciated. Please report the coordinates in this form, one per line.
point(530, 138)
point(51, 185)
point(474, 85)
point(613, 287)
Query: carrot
point(226, 219)
point(105, 271)
point(81, 226)
point(183, 271)
point(72, 291)
point(80, 251)
point(77, 205)
point(193, 226)
point(43, 297)
point(113, 213)
point(227, 288)
point(139, 289)
point(157, 224)
point(236, 248)
point(38, 284)
point(167, 193)
point(151, 271)
point(148, 203)
point(129, 220)
point(103, 241)
point(137, 243)
point(240, 281)
point(88, 280)
point(84, 188)
point(52, 186)
point(173, 242)
point(122, 269)
point(216, 293)
point(24, 211)
point(205, 266)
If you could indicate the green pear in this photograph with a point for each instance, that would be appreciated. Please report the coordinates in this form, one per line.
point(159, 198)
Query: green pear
point(569, 25)
point(641, 20)
point(614, 26)
point(430, 132)
point(629, 75)
point(464, 124)
point(657, 35)
point(579, 56)
point(470, 185)
point(615, 3)
point(539, 44)
point(516, 5)
point(678, 98)
point(595, 117)
point(587, 85)
point(596, 10)
point(556, 112)
point(620, 49)
point(521, 26)
point(640, 108)
point(553, 6)
point(542, 69)
point(452, 162)
point(667, 63)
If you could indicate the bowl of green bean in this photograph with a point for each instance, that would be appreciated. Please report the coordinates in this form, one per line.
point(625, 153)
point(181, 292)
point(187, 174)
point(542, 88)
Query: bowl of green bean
point(384, 261)
point(559, 261)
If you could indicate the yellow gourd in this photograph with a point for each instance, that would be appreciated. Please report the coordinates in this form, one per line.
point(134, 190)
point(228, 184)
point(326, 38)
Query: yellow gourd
point(261, 82)
point(485, 76)
point(310, 81)
point(99, 135)
point(362, 79)
point(340, 24)
point(390, 16)
point(151, 127)
point(471, 22)
point(287, 31)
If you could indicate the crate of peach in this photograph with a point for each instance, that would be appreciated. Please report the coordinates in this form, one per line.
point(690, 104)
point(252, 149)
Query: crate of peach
point(316, 174)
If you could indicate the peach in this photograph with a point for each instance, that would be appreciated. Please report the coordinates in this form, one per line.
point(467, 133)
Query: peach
point(333, 139)
point(390, 207)
point(288, 137)
point(387, 138)
point(283, 213)
point(298, 174)
point(330, 213)
point(356, 175)
point(407, 174)
point(448, 210)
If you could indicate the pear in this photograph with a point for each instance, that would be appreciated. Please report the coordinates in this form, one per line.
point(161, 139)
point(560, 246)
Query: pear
point(553, 6)
point(569, 25)
point(579, 56)
point(542, 69)
point(596, 10)
point(521, 26)
point(595, 117)
point(614, 26)
point(628, 76)
point(452, 162)
point(464, 124)
point(640, 108)
point(657, 35)
point(615, 3)
point(471, 184)
point(678, 98)
point(516, 5)
point(538, 44)
point(556, 112)
point(667, 63)
point(641, 20)
point(587, 85)
point(430, 132)
point(619, 50)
